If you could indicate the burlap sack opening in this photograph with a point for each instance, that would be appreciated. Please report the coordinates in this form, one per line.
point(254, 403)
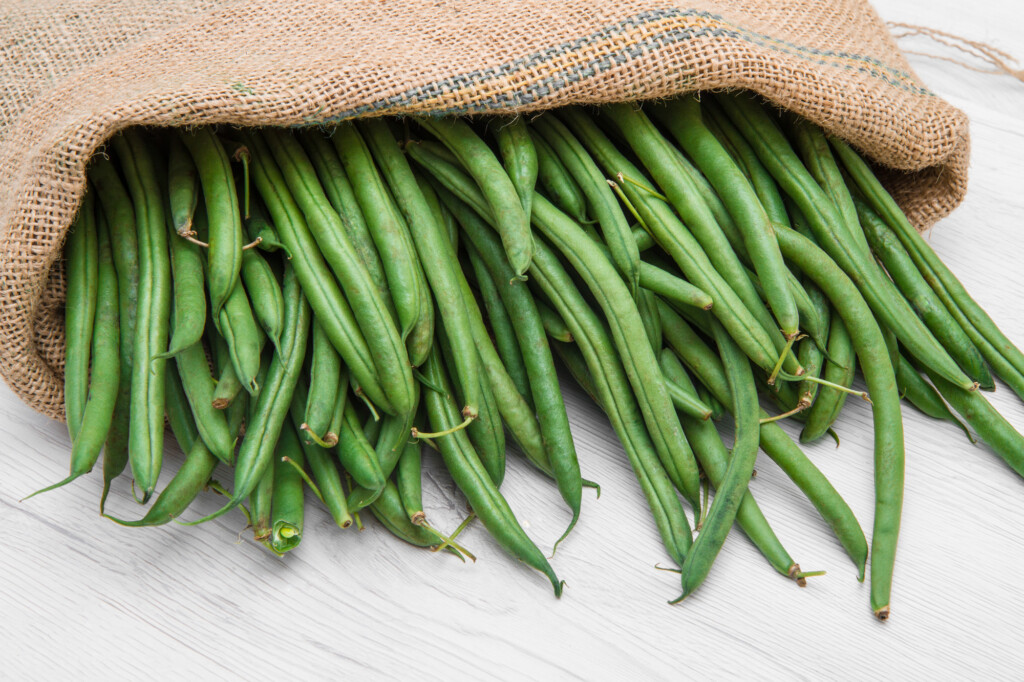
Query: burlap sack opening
point(74, 74)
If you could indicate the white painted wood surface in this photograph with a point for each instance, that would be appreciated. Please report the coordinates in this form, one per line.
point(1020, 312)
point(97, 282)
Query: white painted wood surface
point(83, 597)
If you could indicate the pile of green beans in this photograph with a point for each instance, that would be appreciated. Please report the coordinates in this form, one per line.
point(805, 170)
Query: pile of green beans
point(308, 308)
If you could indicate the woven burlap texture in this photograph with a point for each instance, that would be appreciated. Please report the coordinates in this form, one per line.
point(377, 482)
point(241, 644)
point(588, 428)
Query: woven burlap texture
point(72, 74)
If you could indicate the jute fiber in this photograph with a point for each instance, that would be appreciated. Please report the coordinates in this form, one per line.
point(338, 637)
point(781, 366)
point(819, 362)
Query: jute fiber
point(73, 74)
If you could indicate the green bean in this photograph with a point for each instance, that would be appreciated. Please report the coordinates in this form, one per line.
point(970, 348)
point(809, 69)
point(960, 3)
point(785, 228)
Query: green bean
point(147, 412)
point(244, 337)
point(885, 406)
point(923, 395)
point(910, 282)
point(389, 435)
point(749, 215)
point(582, 168)
point(287, 511)
point(484, 430)
point(471, 478)
point(674, 238)
point(340, 193)
point(189, 292)
point(610, 386)
point(235, 322)
point(370, 311)
point(105, 380)
point(321, 464)
point(324, 383)
point(813, 325)
point(80, 312)
point(646, 306)
point(516, 412)
point(422, 335)
point(892, 310)
point(338, 412)
point(733, 485)
point(558, 186)
point(811, 351)
point(264, 294)
point(259, 227)
point(500, 193)
point(261, 507)
point(686, 401)
point(628, 334)
point(505, 340)
point(435, 253)
point(536, 353)
point(519, 158)
point(703, 186)
point(707, 367)
point(716, 407)
point(228, 385)
point(212, 424)
point(274, 398)
point(190, 479)
point(554, 325)
point(183, 183)
point(409, 481)
point(666, 284)
point(120, 218)
point(449, 175)
point(357, 456)
point(764, 184)
point(1006, 359)
point(388, 509)
point(839, 369)
point(225, 240)
point(991, 427)
point(326, 299)
point(813, 147)
point(179, 415)
point(386, 225)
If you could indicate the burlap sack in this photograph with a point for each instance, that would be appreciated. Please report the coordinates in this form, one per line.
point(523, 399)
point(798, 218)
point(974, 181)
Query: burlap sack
point(71, 74)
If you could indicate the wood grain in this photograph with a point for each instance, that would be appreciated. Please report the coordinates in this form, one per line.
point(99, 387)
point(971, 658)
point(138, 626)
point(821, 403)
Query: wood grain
point(84, 597)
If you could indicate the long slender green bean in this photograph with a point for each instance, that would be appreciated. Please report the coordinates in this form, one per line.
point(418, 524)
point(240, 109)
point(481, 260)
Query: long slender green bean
point(556, 183)
point(287, 507)
point(733, 486)
point(519, 157)
point(120, 218)
point(153, 311)
point(885, 405)
point(221, 197)
point(82, 252)
point(385, 224)
point(474, 155)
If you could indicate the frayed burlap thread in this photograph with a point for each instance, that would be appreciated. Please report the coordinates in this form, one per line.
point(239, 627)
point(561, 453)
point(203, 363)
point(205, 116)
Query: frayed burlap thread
point(73, 74)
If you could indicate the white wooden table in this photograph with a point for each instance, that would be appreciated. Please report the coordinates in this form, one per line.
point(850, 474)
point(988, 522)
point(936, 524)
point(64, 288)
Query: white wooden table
point(83, 597)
